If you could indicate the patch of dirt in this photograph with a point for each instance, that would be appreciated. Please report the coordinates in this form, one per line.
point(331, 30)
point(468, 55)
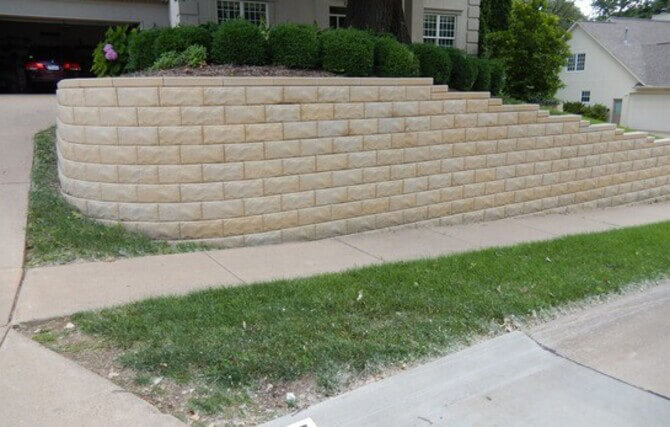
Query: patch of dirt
point(232, 71)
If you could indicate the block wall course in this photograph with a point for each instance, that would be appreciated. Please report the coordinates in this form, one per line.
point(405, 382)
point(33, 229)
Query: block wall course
point(260, 160)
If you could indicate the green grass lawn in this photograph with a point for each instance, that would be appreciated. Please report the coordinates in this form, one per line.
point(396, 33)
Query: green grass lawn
point(57, 233)
point(360, 320)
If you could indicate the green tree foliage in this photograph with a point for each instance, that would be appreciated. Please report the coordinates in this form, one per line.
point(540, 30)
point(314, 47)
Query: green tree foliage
point(630, 8)
point(394, 59)
point(566, 10)
point(533, 50)
point(117, 38)
point(493, 16)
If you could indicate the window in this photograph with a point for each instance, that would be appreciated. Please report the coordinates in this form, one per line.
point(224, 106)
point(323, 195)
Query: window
point(577, 62)
point(439, 29)
point(586, 96)
point(338, 17)
point(254, 12)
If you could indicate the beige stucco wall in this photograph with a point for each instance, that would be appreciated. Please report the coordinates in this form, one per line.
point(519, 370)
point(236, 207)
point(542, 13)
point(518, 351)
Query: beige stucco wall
point(648, 109)
point(147, 13)
point(263, 160)
point(603, 75)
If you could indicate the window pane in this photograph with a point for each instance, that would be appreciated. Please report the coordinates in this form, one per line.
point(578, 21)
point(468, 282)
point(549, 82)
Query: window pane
point(447, 26)
point(586, 96)
point(581, 61)
point(227, 10)
point(430, 25)
point(571, 63)
point(255, 12)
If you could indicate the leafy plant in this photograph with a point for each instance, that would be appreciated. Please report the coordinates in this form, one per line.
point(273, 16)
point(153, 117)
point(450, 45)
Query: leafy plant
point(434, 62)
point(483, 81)
point(394, 59)
point(595, 111)
point(348, 51)
point(193, 56)
point(141, 49)
point(179, 38)
point(294, 45)
point(239, 42)
point(464, 69)
point(110, 56)
point(497, 77)
point(533, 50)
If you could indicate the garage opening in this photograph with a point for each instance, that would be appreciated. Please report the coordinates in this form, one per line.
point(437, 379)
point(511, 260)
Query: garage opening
point(34, 55)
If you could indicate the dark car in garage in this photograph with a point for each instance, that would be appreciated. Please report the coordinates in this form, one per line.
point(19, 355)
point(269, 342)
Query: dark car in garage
point(42, 69)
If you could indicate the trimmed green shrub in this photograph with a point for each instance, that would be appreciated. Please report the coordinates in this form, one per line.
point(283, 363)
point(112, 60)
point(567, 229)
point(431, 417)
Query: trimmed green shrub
point(497, 77)
point(483, 82)
point(434, 62)
point(394, 59)
point(177, 39)
point(110, 56)
point(598, 112)
point(464, 70)
point(574, 107)
point(294, 45)
point(141, 50)
point(239, 42)
point(194, 56)
point(348, 51)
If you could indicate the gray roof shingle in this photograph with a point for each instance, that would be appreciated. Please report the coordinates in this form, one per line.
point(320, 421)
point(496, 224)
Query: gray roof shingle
point(646, 52)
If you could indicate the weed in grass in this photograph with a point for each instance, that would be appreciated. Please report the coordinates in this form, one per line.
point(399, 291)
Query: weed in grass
point(45, 337)
point(57, 233)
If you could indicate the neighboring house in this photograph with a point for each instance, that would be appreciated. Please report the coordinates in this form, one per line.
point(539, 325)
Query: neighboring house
point(623, 63)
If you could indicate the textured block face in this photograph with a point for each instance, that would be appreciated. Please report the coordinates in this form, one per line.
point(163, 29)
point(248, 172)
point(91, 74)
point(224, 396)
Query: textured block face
point(269, 160)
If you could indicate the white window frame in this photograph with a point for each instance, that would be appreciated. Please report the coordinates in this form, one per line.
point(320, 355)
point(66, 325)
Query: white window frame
point(339, 17)
point(439, 16)
point(574, 57)
point(242, 5)
point(588, 96)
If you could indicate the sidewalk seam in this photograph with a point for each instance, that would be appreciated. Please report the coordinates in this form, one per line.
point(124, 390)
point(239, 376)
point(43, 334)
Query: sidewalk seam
point(359, 249)
point(224, 267)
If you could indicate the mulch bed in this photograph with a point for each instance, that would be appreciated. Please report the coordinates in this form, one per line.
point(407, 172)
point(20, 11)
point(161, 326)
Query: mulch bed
point(233, 70)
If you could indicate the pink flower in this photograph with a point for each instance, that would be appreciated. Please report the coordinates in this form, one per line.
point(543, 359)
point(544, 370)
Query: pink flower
point(108, 47)
point(110, 55)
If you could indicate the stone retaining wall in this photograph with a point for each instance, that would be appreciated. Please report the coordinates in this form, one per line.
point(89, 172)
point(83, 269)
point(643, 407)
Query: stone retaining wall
point(264, 160)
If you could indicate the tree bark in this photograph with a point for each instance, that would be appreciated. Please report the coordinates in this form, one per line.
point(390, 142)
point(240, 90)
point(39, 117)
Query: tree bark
point(383, 16)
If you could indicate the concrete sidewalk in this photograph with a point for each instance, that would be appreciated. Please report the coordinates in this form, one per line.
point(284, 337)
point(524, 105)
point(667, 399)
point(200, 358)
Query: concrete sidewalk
point(55, 291)
point(513, 381)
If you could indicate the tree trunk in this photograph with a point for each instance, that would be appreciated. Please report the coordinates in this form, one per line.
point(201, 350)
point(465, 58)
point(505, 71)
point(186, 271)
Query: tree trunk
point(384, 16)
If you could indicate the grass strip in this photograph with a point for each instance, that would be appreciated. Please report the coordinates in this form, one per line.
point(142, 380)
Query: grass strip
point(57, 233)
point(371, 317)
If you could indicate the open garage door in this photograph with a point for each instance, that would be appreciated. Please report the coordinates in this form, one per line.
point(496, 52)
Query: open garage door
point(26, 47)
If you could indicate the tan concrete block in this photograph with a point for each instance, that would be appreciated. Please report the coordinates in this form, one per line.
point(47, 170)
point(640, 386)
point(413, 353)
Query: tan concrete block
point(333, 94)
point(100, 97)
point(392, 93)
point(280, 220)
point(202, 115)
point(453, 135)
point(452, 165)
point(442, 122)
point(389, 188)
point(332, 128)
point(137, 96)
point(223, 134)
point(405, 108)
point(300, 94)
point(508, 118)
point(317, 111)
point(118, 116)
point(486, 147)
point(172, 174)
point(456, 106)
point(244, 114)
point(465, 120)
point(346, 210)
point(99, 135)
point(315, 181)
point(414, 124)
point(330, 196)
point(201, 192)
point(363, 126)
point(392, 125)
point(201, 154)
point(138, 174)
point(361, 192)
point(388, 219)
point(329, 162)
point(404, 201)
point(262, 205)
point(224, 96)
point(282, 113)
point(347, 144)
point(118, 155)
point(374, 206)
point(157, 193)
point(413, 185)
point(243, 189)
point(364, 94)
point(418, 93)
point(201, 229)
point(100, 173)
point(151, 155)
point(179, 211)
point(300, 200)
point(282, 149)
point(83, 189)
point(299, 165)
point(70, 97)
point(378, 109)
point(262, 169)
point(300, 130)
point(264, 95)
point(102, 210)
point(450, 194)
point(477, 105)
point(415, 215)
point(138, 211)
point(243, 152)
point(85, 115)
point(487, 119)
point(403, 171)
point(138, 135)
point(223, 172)
point(178, 135)
point(527, 116)
point(281, 185)
point(159, 116)
point(66, 114)
point(222, 209)
point(118, 192)
point(347, 177)
point(361, 160)
point(314, 215)
point(349, 110)
point(171, 96)
point(264, 132)
point(376, 174)
point(376, 142)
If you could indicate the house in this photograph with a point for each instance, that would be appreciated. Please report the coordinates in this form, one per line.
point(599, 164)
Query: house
point(623, 63)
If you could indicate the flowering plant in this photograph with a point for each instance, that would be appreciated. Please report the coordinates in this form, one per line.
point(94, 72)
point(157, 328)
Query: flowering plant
point(110, 57)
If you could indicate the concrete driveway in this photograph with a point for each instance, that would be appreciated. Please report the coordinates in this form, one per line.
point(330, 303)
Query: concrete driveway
point(20, 117)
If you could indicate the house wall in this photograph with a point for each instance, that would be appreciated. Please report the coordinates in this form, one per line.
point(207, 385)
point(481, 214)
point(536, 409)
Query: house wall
point(264, 160)
point(317, 12)
point(147, 13)
point(648, 109)
point(603, 75)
